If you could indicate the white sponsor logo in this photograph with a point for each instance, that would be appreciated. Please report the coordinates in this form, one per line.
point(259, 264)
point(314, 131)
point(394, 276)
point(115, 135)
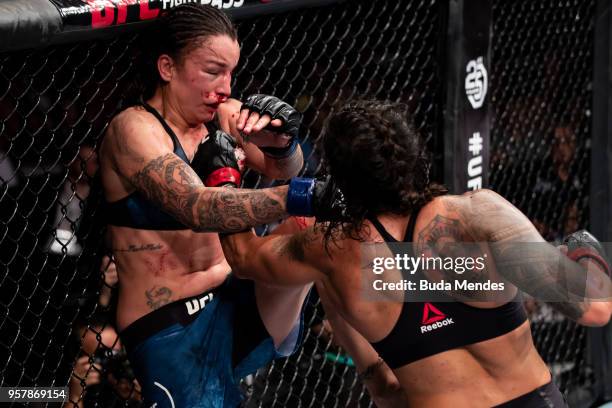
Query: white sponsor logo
point(474, 168)
point(222, 4)
point(429, 327)
point(476, 82)
point(195, 305)
point(164, 389)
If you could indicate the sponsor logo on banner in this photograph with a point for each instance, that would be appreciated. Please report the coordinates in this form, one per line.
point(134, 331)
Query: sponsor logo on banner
point(476, 82)
point(105, 13)
point(474, 167)
point(222, 4)
point(80, 15)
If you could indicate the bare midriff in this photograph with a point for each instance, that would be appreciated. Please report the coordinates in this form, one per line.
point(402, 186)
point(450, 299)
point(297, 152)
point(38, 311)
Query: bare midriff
point(483, 374)
point(159, 267)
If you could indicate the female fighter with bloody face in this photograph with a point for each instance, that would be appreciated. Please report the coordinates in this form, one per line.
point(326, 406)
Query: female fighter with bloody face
point(180, 309)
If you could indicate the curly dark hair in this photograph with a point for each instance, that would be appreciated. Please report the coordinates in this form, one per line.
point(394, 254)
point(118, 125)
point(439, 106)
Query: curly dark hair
point(376, 158)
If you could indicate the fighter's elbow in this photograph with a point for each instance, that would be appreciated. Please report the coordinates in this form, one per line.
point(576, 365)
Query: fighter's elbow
point(598, 314)
point(389, 394)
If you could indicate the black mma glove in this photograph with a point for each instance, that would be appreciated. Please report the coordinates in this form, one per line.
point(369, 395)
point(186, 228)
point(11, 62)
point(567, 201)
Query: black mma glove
point(320, 198)
point(215, 161)
point(582, 244)
point(277, 109)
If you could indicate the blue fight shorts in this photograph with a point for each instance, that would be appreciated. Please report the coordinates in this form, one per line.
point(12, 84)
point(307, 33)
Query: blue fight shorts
point(192, 353)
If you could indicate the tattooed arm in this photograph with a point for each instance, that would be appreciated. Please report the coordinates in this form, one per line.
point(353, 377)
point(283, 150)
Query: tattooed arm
point(583, 292)
point(278, 168)
point(141, 154)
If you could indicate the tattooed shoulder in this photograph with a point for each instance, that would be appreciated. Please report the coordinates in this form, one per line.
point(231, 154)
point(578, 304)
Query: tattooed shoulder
point(439, 230)
point(473, 203)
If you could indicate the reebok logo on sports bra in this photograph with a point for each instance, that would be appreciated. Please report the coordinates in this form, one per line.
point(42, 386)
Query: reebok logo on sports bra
point(433, 318)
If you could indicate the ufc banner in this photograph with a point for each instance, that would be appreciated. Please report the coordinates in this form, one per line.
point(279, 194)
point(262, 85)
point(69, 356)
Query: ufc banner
point(467, 119)
point(38, 23)
point(81, 14)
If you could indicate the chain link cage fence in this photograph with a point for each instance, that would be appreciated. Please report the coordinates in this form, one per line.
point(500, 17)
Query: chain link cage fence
point(55, 103)
point(541, 131)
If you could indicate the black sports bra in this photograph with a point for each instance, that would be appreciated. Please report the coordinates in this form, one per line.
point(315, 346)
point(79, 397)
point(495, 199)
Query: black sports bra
point(424, 329)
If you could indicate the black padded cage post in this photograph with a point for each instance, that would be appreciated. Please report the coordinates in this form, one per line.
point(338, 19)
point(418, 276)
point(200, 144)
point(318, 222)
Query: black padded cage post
point(600, 339)
point(467, 117)
point(549, 153)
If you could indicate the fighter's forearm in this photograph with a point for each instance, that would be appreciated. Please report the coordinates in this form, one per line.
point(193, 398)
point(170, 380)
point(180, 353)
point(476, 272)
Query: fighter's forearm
point(538, 276)
point(284, 167)
point(522, 256)
point(547, 274)
point(231, 210)
point(273, 167)
point(173, 186)
point(537, 267)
